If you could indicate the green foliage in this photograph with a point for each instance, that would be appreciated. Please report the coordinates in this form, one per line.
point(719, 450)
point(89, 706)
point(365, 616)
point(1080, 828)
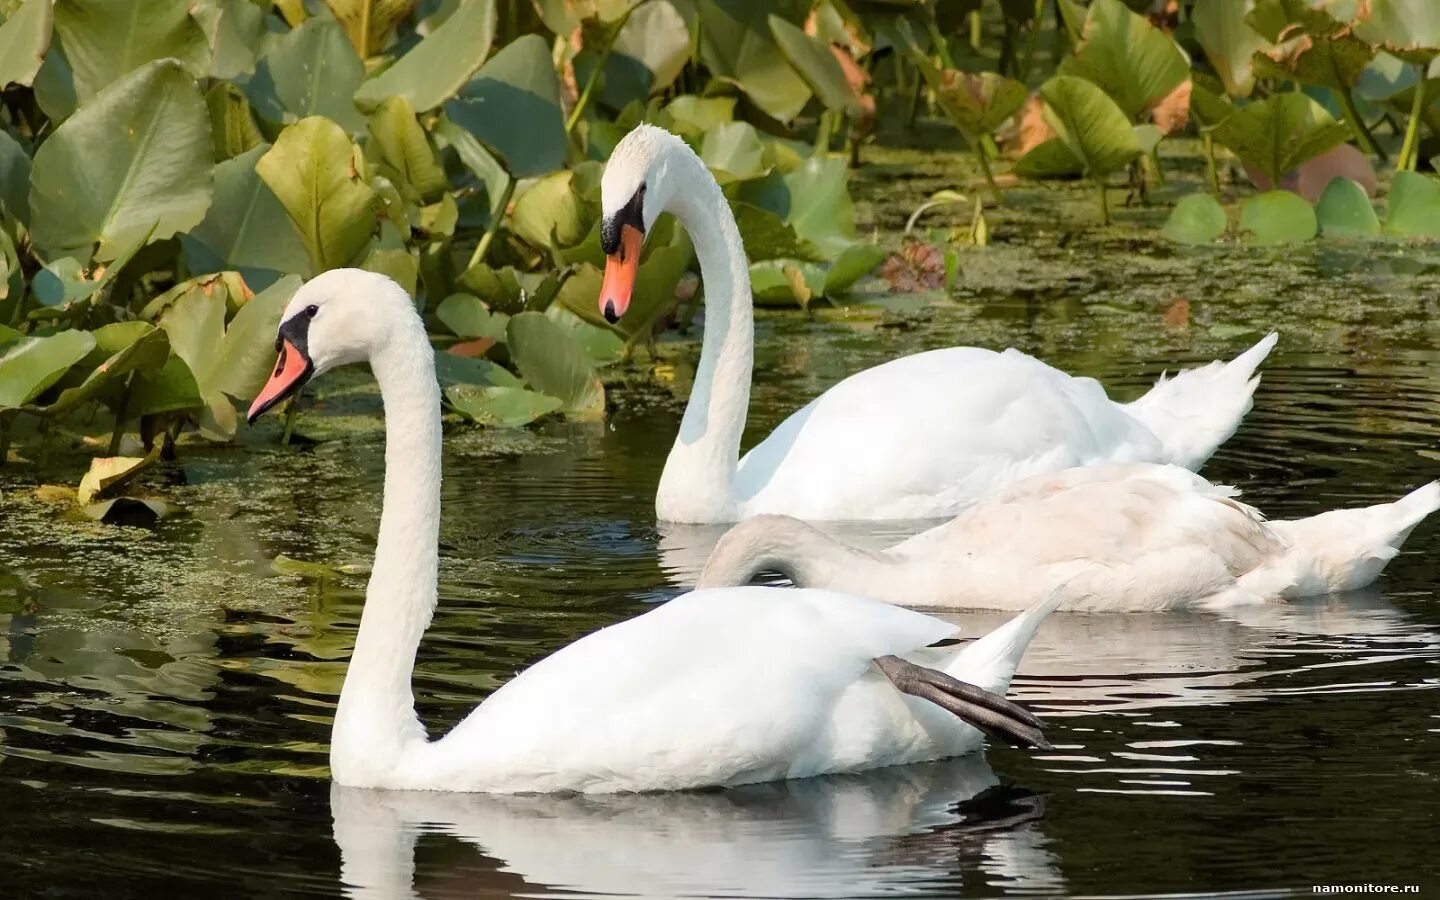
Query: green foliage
point(1279, 133)
point(1132, 61)
point(1196, 219)
point(1277, 217)
point(1344, 210)
point(1414, 209)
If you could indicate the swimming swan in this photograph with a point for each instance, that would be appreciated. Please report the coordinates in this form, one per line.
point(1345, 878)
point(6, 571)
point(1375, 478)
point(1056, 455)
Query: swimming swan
point(918, 437)
point(714, 688)
point(1124, 537)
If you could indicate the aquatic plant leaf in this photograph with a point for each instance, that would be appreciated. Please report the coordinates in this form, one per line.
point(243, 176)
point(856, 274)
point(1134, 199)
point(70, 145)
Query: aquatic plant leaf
point(451, 370)
point(549, 214)
point(435, 69)
point(467, 316)
point(123, 348)
point(1279, 133)
point(1344, 210)
point(136, 512)
point(107, 39)
point(1208, 108)
point(737, 47)
point(817, 65)
point(169, 389)
point(14, 183)
point(1091, 126)
point(734, 152)
point(1229, 42)
point(854, 262)
point(1132, 61)
point(136, 159)
point(1310, 45)
point(513, 106)
point(655, 38)
point(602, 345)
point(1049, 159)
point(693, 117)
point(246, 228)
point(977, 102)
point(236, 30)
point(399, 264)
point(551, 363)
point(403, 145)
point(232, 127)
point(1277, 217)
point(368, 23)
point(562, 17)
point(820, 208)
point(1196, 219)
point(1414, 206)
point(62, 281)
point(767, 236)
point(24, 38)
point(501, 407)
point(311, 170)
point(312, 70)
point(109, 475)
point(30, 365)
point(248, 350)
point(1409, 29)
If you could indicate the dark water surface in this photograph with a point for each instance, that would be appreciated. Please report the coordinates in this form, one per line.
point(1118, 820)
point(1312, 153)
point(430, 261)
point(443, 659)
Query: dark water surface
point(165, 696)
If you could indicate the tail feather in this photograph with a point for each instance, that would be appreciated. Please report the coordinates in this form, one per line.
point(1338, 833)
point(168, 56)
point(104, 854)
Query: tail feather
point(1346, 549)
point(1199, 409)
point(991, 661)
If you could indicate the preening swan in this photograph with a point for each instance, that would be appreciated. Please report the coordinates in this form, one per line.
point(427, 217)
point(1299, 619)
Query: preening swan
point(713, 688)
point(918, 437)
point(1125, 537)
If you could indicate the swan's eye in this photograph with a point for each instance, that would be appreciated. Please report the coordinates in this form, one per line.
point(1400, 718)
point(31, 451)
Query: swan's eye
point(312, 310)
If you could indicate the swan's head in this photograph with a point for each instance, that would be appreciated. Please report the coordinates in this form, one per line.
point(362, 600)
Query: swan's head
point(339, 317)
point(637, 186)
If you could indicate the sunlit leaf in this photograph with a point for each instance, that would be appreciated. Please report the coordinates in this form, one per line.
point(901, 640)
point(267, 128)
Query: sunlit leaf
point(246, 228)
point(551, 363)
point(369, 22)
point(311, 170)
point(30, 365)
point(1409, 29)
point(513, 105)
point(1229, 42)
point(736, 46)
point(110, 475)
point(853, 263)
point(403, 145)
point(248, 349)
point(1090, 125)
point(1344, 210)
point(1196, 219)
point(733, 152)
point(107, 39)
point(311, 71)
point(232, 127)
point(467, 316)
point(24, 38)
point(1414, 206)
point(437, 67)
point(1279, 133)
point(1132, 61)
point(502, 407)
point(1277, 217)
point(812, 58)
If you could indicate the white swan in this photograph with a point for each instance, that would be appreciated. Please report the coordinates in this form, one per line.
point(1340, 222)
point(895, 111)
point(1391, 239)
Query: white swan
point(918, 437)
point(1124, 537)
point(714, 688)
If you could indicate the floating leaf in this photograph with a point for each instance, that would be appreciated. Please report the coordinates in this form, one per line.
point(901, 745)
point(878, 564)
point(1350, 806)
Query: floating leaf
point(311, 71)
point(513, 105)
point(29, 366)
point(109, 475)
point(1414, 206)
point(1132, 61)
point(1278, 217)
point(503, 407)
point(24, 38)
point(1229, 42)
point(1089, 124)
point(1279, 133)
point(853, 263)
point(437, 67)
point(246, 228)
point(1344, 210)
point(1196, 219)
point(106, 40)
point(693, 117)
point(136, 159)
point(311, 170)
point(736, 46)
point(817, 65)
point(552, 364)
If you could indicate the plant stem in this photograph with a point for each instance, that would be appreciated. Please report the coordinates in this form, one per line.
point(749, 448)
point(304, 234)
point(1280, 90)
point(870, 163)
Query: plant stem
point(1357, 125)
point(364, 47)
point(915, 100)
point(1410, 150)
point(4, 439)
point(121, 412)
point(1104, 202)
point(290, 409)
point(975, 31)
point(942, 46)
point(982, 157)
point(1033, 39)
point(824, 131)
point(497, 214)
point(594, 78)
point(1211, 174)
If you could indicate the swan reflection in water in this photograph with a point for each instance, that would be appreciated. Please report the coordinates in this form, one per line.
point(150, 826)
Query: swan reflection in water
point(1137, 661)
point(888, 831)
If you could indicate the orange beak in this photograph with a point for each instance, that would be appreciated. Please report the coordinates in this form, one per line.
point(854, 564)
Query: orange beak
point(621, 269)
point(292, 370)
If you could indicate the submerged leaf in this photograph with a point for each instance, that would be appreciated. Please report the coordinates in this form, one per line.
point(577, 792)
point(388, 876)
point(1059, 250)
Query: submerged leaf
point(1278, 217)
point(1196, 219)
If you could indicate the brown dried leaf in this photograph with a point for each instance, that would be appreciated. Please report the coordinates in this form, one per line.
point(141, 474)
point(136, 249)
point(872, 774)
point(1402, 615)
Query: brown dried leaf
point(1172, 112)
point(1031, 129)
point(917, 267)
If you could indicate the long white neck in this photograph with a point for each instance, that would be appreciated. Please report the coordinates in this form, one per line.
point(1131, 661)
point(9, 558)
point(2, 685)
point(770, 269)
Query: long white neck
point(809, 557)
point(696, 485)
point(375, 724)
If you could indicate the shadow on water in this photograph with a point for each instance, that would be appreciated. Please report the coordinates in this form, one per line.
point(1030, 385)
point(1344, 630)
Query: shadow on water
point(165, 696)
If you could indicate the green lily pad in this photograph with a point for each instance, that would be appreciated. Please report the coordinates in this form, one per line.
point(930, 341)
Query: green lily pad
point(513, 106)
point(311, 71)
point(1279, 133)
point(29, 366)
point(502, 407)
point(106, 40)
point(110, 475)
point(652, 49)
point(1090, 125)
point(311, 170)
point(1136, 64)
point(122, 348)
point(134, 160)
point(1414, 206)
point(1196, 219)
point(1344, 210)
point(437, 67)
point(734, 152)
point(693, 117)
point(549, 213)
point(1278, 217)
point(551, 363)
point(246, 228)
point(1049, 159)
point(24, 38)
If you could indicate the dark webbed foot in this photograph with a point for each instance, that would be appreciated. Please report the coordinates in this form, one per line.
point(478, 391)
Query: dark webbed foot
point(991, 713)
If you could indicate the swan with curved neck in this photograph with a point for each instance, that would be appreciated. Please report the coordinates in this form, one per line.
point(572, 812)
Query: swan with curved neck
point(1108, 538)
point(714, 688)
point(918, 437)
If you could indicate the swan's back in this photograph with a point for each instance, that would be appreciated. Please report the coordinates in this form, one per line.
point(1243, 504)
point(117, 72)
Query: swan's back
point(867, 448)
